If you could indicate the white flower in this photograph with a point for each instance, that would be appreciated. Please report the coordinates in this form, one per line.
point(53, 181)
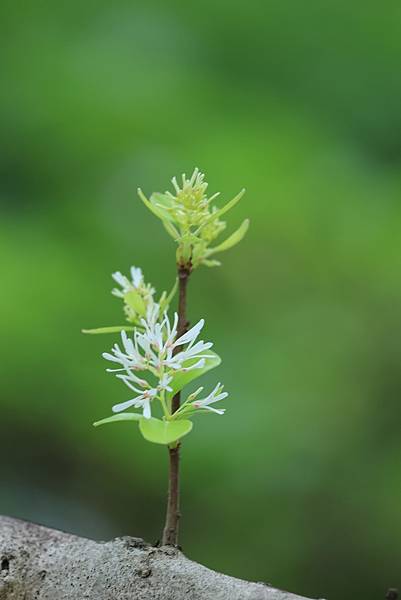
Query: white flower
point(137, 282)
point(195, 351)
point(152, 315)
point(175, 361)
point(129, 378)
point(190, 336)
point(164, 383)
point(214, 396)
point(153, 350)
point(123, 282)
point(131, 358)
point(142, 401)
point(155, 346)
point(153, 335)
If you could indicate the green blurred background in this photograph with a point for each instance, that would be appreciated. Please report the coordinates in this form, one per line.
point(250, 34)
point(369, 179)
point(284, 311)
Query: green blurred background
point(300, 483)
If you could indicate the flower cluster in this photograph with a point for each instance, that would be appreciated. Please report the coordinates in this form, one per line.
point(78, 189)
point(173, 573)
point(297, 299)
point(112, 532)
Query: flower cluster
point(190, 218)
point(138, 296)
point(136, 283)
point(157, 351)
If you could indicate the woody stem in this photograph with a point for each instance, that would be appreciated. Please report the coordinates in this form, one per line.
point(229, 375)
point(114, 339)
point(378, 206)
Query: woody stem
point(170, 532)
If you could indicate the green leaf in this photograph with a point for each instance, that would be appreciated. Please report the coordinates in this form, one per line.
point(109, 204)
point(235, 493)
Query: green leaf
point(219, 213)
point(149, 205)
point(164, 432)
point(135, 301)
point(181, 379)
point(160, 212)
point(232, 240)
point(211, 263)
point(171, 230)
point(114, 329)
point(119, 417)
point(163, 203)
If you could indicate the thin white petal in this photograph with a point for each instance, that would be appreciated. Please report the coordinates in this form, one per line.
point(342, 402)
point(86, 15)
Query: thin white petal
point(137, 276)
point(108, 356)
point(124, 405)
point(198, 365)
point(119, 278)
point(219, 411)
point(146, 409)
point(129, 384)
point(190, 335)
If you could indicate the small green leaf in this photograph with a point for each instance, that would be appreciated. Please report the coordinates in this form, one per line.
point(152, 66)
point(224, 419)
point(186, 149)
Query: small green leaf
point(114, 329)
point(119, 417)
point(211, 263)
point(181, 379)
point(163, 432)
point(232, 240)
point(135, 301)
point(149, 205)
point(163, 203)
point(154, 206)
point(219, 213)
point(171, 230)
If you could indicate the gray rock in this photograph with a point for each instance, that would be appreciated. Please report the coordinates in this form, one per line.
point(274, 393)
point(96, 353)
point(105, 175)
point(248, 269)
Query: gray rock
point(37, 563)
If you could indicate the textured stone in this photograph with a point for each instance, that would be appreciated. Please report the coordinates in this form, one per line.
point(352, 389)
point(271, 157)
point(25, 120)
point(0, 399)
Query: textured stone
point(37, 563)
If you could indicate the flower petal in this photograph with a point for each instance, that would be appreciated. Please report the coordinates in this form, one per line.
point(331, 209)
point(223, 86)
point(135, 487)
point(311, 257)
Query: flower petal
point(124, 405)
point(190, 335)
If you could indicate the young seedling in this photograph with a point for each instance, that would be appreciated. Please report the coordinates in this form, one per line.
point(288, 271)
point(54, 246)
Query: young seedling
point(159, 356)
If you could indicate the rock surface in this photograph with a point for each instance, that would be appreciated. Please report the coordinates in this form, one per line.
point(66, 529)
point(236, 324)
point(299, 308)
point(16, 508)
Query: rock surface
point(37, 563)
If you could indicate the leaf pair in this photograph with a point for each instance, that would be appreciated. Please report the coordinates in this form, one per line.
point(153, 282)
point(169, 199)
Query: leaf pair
point(153, 430)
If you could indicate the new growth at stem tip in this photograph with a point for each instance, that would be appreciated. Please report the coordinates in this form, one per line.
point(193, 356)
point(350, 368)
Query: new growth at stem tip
point(163, 356)
point(193, 220)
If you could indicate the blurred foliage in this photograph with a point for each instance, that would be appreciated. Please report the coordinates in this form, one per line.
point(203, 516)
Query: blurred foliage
point(300, 103)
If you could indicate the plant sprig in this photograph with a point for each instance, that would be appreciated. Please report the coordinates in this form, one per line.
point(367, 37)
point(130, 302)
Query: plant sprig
point(161, 357)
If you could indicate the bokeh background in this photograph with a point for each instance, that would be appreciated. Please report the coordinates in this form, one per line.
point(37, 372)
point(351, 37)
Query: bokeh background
point(300, 483)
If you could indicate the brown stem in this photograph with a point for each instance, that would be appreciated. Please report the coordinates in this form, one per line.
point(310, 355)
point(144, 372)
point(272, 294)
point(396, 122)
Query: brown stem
point(182, 327)
point(170, 532)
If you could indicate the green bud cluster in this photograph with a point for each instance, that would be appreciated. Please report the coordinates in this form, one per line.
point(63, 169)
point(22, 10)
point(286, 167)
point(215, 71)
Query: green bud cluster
point(193, 221)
